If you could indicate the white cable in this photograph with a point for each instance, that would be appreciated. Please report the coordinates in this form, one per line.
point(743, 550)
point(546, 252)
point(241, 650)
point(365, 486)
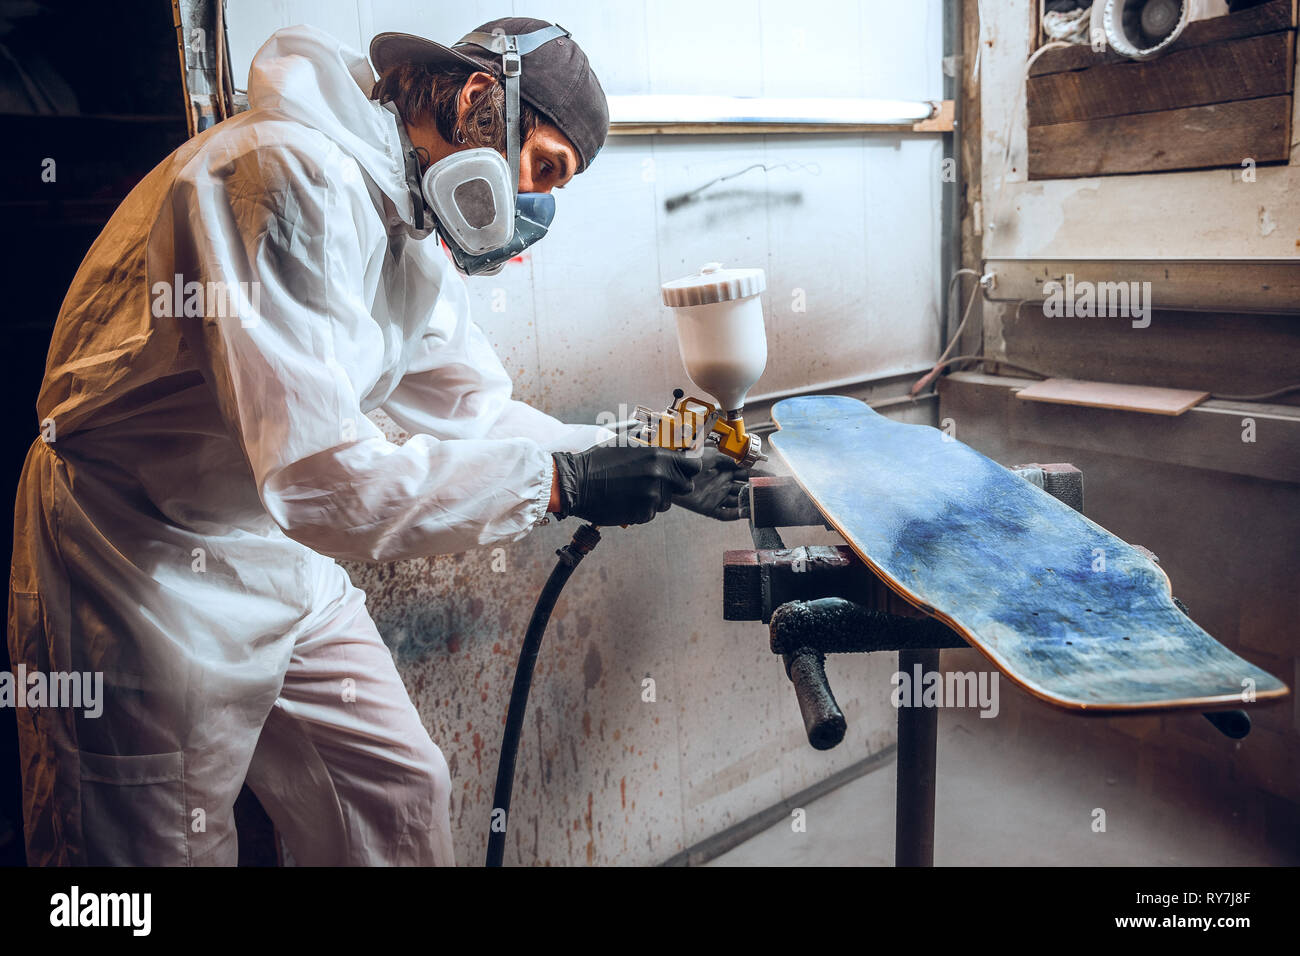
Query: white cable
point(956, 336)
point(947, 302)
point(955, 276)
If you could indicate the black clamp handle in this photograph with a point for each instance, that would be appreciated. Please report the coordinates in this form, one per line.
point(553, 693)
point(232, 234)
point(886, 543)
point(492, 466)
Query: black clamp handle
point(823, 720)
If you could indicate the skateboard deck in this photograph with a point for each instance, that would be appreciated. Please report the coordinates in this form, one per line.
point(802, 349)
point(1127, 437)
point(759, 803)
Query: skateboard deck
point(1060, 605)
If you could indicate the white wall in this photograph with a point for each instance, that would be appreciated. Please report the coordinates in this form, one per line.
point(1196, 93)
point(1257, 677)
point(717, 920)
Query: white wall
point(853, 221)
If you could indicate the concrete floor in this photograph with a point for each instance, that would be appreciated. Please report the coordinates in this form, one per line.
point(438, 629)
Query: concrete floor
point(1007, 800)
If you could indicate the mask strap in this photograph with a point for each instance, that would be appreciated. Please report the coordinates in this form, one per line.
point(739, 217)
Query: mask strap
point(513, 48)
point(511, 65)
point(412, 163)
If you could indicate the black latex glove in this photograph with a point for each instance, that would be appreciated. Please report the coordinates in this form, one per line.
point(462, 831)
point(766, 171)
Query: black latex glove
point(719, 488)
point(609, 485)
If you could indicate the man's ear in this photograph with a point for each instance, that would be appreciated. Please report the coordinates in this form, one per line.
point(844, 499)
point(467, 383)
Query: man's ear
point(474, 86)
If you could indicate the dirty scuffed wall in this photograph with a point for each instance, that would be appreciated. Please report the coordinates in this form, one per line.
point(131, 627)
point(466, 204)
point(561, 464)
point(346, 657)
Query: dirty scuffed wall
point(847, 228)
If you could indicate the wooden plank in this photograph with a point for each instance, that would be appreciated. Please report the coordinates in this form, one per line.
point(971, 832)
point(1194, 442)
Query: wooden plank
point(1266, 18)
point(756, 583)
point(1219, 73)
point(779, 502)
point(1061, 480)
point(1196, 137)
point(1129, 398)
point(1270, 286)
point(1212, 436)
point(1224, 353)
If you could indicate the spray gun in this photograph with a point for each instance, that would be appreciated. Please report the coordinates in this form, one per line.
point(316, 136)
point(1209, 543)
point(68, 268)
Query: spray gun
point(724, 348)
point(723, 345)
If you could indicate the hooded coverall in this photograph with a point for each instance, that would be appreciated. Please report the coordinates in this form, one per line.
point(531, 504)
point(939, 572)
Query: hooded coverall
point(205, 456)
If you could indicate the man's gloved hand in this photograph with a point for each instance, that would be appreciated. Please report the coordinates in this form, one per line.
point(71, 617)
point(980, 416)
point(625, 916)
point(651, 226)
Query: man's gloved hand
point(609, 485)
point(718, 488)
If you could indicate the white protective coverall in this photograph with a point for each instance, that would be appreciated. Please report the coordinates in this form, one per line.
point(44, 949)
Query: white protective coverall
point(177, 525)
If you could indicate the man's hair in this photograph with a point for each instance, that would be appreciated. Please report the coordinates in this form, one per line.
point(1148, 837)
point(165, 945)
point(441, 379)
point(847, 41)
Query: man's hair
point(422, 94)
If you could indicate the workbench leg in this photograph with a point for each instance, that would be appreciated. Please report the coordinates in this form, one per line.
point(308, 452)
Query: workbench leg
point(918, 738)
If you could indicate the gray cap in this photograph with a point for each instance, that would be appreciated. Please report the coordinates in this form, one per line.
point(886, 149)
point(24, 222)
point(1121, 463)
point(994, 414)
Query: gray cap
point(556, 78)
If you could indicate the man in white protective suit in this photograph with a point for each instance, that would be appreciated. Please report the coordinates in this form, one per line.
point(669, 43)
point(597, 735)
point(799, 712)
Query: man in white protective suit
point(205, 455)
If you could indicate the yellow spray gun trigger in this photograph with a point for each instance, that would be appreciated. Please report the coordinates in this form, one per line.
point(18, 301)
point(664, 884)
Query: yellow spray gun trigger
point(689, 423)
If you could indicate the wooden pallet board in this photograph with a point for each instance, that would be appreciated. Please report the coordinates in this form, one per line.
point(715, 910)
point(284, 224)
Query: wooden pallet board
point(1219, 96)
point(1061, 606)
point(1248, 68)
point(1197, 137)
point(1128, 398)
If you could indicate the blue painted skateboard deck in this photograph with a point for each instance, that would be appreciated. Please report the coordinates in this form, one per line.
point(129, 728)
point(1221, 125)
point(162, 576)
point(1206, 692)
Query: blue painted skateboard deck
point(1064, 608)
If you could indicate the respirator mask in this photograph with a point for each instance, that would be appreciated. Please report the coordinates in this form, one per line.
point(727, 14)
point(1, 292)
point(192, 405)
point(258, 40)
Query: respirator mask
point(473, 194)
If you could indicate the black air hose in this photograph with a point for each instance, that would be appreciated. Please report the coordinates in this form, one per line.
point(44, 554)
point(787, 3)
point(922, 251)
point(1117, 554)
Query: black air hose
point(584, 539)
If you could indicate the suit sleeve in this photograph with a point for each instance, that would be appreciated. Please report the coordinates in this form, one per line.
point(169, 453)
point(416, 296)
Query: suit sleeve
point(284, 231)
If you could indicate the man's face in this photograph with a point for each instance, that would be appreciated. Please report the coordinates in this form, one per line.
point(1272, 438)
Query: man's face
point(546, 160)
